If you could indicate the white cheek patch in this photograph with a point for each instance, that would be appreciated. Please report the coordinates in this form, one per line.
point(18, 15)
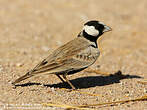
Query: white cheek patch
point(91, 30)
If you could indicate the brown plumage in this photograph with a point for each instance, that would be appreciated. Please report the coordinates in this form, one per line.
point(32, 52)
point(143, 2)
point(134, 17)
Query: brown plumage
point(72, 57)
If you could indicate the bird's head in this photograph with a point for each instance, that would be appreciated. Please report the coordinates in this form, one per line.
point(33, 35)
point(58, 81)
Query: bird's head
point(94, 29)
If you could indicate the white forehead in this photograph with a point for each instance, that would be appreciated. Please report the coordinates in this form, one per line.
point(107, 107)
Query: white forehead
point(91, 30)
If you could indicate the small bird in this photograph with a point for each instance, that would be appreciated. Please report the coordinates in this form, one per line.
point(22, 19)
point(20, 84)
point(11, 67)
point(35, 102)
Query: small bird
point(72, 57)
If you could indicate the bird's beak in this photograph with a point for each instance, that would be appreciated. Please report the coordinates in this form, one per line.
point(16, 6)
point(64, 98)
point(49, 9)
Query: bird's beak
point(107, 28)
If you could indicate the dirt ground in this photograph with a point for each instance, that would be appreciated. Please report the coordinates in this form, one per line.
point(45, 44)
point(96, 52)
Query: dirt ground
point(31, 29)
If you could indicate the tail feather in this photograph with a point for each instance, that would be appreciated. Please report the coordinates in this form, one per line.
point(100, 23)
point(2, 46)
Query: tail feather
point(27, 75)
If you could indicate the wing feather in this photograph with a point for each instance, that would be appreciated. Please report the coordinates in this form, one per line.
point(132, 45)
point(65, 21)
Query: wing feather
point(63, 59)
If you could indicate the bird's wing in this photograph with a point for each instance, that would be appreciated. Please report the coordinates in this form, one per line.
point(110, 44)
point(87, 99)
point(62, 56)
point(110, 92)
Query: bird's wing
point(69, 56)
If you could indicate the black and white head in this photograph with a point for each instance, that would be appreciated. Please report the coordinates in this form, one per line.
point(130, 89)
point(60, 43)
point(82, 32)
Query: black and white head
point(93, 29)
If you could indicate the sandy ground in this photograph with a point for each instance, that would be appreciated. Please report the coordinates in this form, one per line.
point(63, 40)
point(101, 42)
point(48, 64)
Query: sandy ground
point(31, 29)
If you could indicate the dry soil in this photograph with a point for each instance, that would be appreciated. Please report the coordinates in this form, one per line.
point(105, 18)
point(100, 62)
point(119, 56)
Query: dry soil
point(31, 29)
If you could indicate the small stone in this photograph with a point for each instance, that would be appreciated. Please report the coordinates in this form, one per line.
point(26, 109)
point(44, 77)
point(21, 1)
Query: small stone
point(19, 64)
point(52, 89)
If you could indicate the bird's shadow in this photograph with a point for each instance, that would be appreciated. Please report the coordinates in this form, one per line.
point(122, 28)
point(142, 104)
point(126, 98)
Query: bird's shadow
point(89, 81)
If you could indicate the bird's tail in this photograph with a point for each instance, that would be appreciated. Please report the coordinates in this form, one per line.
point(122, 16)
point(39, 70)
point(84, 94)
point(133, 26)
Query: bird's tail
point(27, 75)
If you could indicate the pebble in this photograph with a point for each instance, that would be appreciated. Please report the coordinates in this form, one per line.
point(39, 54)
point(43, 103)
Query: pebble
point(19, 64)
point(52, 89)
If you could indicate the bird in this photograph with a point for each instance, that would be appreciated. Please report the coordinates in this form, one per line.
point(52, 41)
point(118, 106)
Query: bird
point(72, 57)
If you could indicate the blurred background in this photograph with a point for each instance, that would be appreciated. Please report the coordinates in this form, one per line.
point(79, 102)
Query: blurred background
point(31, 29)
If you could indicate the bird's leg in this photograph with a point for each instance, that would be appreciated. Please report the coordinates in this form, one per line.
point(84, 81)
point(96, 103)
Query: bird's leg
point(64, 76)
point(60, 78)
